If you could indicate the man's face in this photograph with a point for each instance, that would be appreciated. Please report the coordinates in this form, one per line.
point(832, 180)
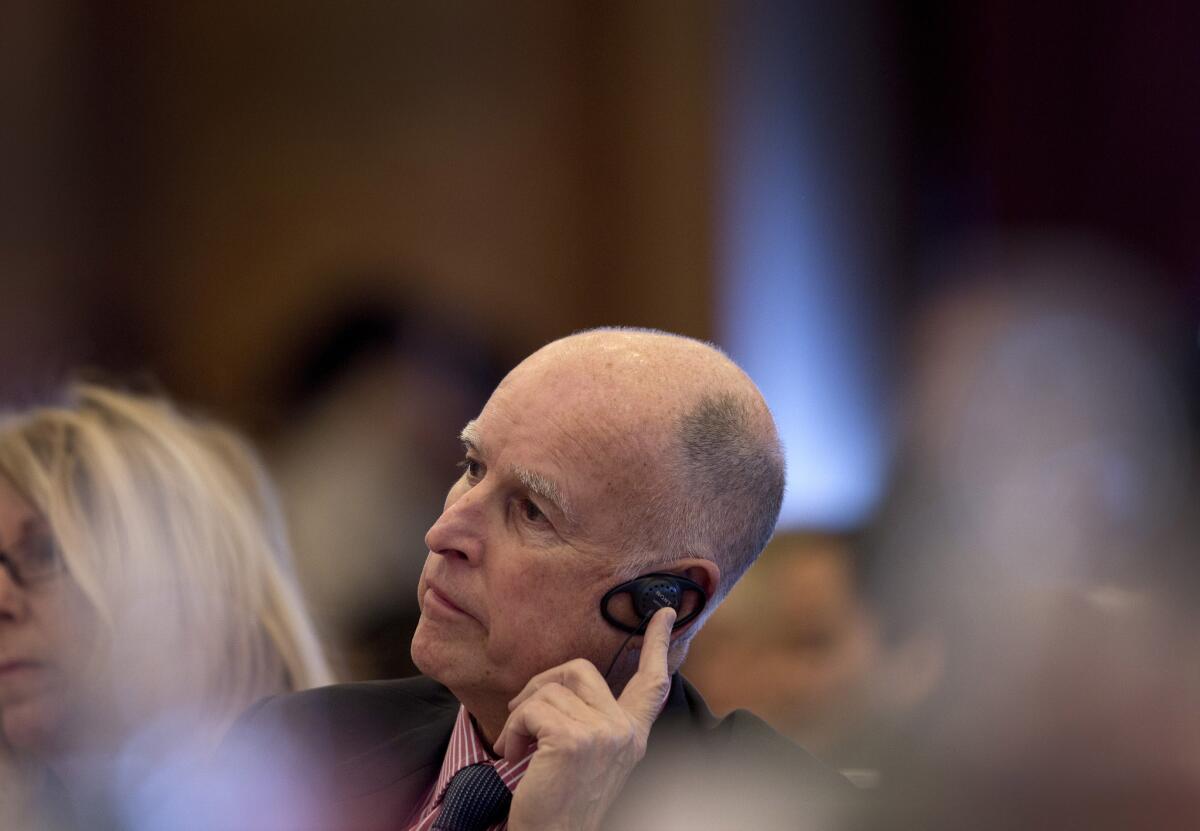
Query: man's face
point(526, 545)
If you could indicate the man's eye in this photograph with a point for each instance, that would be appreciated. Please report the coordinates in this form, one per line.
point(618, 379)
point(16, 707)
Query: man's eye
point(531, 511)
point(473, 467)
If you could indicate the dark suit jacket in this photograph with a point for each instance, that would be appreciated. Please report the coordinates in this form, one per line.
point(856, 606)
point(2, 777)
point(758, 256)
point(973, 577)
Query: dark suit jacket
point(359, 757)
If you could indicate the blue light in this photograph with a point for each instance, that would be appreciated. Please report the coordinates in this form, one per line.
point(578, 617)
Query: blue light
point(794, 298)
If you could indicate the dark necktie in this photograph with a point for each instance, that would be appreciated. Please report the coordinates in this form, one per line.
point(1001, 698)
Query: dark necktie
point(475, 799)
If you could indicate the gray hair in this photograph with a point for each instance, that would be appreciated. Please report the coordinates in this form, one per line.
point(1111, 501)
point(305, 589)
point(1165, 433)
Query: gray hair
point(723, 483)
point(723, 489)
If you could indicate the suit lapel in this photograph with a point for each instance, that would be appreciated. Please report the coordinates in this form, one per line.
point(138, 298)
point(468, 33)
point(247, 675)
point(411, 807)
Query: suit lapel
point(380, 788)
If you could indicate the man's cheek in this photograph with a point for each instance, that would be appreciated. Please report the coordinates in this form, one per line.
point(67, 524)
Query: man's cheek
point(421, 582)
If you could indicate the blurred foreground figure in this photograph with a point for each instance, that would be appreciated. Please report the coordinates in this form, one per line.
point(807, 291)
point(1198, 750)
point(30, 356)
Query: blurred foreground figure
point(145, 600)
point(603, 457)
point(797, 644)
point(1041, 538)
point(360, 462)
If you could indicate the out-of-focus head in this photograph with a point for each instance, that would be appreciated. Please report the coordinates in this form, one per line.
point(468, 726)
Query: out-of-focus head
point(151, 575)
point(602, 456)
point(1038, 528)
point(795, 643)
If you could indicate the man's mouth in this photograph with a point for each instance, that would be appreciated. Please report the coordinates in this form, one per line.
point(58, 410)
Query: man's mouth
point(443, 603)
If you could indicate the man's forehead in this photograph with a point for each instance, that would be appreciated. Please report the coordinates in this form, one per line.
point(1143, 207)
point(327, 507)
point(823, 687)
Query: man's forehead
point(579, 463)
point(580, 412)
point(538, 446)
point(571, 431)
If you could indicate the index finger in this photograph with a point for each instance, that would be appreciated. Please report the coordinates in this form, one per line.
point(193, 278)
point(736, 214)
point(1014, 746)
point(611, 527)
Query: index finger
point(657, 641)
point(646, 689)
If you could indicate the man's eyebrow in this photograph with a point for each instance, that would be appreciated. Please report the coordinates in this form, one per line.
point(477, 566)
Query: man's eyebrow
point(540, 485)
point(535, 483)
point(470, 436)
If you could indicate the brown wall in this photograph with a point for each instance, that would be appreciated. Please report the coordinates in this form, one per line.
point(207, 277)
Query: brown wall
point(527, 167)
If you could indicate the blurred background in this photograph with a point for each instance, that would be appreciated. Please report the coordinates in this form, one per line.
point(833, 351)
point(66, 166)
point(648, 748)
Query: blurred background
point(956, 244)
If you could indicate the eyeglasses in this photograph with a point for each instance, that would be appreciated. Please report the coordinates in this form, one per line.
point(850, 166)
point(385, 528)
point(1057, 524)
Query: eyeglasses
point(35, 559)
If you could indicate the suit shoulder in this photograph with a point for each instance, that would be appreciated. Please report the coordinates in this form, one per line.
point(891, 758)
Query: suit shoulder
point(415, 691)
point(743, 740)
point(749, 736)
point(346, 716)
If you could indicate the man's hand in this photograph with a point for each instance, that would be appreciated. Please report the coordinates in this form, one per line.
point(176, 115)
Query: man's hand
point(587, 741)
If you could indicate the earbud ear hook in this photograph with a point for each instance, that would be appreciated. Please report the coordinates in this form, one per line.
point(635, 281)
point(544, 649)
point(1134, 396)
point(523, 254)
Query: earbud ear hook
point(651, 592)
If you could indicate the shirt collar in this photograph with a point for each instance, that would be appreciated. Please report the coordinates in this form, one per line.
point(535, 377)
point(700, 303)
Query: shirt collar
point(467, 748)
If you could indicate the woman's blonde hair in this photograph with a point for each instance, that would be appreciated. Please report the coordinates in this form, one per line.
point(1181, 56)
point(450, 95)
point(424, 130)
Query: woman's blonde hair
point(170, 529)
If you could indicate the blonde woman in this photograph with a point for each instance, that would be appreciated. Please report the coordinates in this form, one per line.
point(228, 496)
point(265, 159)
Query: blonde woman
point(146, 599)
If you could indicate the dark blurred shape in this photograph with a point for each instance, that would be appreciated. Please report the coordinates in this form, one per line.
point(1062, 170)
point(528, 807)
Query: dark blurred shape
point(368, 325)
point(373, 399)
point(1022, 115)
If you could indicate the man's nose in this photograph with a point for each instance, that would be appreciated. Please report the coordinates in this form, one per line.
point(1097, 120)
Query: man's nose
point(459, 532)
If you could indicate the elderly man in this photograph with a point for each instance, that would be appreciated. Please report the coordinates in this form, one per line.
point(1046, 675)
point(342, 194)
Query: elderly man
point(602, 457)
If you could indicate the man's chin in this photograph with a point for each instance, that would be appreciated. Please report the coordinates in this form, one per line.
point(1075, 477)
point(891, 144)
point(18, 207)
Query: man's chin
point(436, 654)
point(460, 665)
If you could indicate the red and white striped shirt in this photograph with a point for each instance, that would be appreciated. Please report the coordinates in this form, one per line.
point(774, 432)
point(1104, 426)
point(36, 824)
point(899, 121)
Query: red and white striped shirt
point(466, 748)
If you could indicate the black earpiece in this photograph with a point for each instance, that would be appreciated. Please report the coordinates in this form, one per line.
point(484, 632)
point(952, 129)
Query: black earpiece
point(651, 592)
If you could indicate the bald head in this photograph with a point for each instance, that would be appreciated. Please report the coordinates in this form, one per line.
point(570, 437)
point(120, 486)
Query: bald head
point(703, 472)
point(602, 456)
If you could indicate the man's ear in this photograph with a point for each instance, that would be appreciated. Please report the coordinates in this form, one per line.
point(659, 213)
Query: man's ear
point(704, 573)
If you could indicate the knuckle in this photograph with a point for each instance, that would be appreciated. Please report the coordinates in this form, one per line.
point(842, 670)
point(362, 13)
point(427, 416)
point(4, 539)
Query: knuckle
point(537, 708)
point(551, 689)
point(579, 666)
